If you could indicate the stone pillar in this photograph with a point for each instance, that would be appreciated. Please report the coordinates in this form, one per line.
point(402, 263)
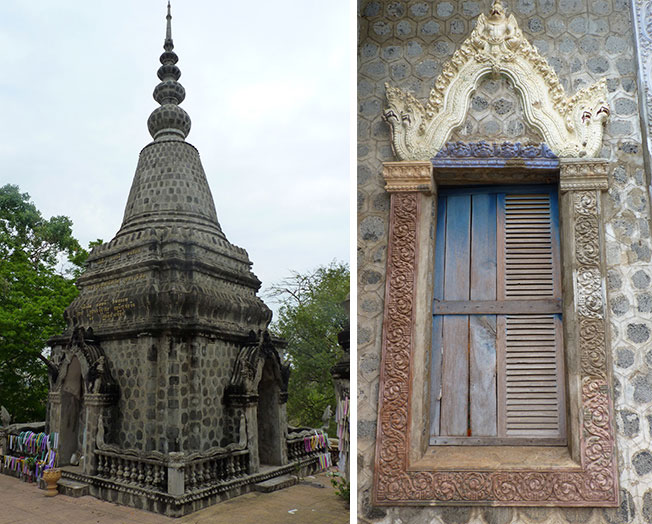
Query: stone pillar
point(54, 412)
point(94, 406)
point(4, 441)
point(176, 480)
point(251, 415)
point(282, 416)
point(410, 259)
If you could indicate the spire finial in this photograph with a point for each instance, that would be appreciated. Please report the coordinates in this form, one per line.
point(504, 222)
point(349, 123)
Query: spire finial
point(168, 45)
point(169, 122)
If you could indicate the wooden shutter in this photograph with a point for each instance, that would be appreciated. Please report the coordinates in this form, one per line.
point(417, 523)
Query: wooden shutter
point(531, 368)
point(496, 366)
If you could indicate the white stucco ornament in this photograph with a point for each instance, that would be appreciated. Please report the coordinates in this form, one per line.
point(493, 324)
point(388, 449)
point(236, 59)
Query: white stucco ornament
point(571, 126)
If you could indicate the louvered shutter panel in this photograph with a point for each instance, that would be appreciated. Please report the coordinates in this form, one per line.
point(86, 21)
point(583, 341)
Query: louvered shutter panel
point(496, 367)
point(531, 375)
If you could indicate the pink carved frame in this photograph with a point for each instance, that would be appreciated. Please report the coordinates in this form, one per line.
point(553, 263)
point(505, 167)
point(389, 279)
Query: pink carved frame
point(589, 477)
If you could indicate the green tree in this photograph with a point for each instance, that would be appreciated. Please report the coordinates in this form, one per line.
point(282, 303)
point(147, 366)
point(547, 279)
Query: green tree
point(39, 260)
point(310, 317)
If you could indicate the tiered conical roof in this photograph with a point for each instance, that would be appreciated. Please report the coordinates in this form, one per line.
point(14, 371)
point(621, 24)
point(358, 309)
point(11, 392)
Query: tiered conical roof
point(170, 264)
point(169, 187)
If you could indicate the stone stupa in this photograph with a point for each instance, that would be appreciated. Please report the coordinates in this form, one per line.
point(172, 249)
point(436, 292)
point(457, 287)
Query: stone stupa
point(167, 391)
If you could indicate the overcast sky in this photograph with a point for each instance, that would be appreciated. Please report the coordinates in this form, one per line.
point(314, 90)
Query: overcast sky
point(267, 89)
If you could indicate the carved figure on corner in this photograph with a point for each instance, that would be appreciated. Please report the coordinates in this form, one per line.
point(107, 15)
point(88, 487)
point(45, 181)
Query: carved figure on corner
point(95, 377)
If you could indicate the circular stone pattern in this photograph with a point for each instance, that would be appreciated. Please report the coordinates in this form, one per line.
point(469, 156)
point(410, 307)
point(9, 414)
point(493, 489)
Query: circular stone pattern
point(169, 57)
point(168, 117)
point(169, 91)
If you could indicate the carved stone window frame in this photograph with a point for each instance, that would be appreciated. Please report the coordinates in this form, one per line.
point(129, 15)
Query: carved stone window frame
point(410, 472)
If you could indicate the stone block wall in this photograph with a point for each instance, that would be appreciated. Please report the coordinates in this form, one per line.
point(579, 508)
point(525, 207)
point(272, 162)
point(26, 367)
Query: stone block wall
point(405, 45)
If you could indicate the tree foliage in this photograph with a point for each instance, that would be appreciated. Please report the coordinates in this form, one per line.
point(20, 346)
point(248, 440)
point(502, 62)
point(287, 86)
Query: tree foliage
point(310, 317)
point(39, 260)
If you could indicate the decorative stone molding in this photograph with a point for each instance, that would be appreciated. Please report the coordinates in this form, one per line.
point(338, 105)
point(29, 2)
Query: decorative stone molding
point(99, 399)
point(408, 176)
point(571, 126)
point(641, 17)
point(506, 154)
point(485, 150)
point(589, 476)
point(583, 175)
point(55, 397)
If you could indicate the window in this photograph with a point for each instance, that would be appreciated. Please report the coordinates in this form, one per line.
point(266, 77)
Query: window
point(408, 468)
point(497, 364)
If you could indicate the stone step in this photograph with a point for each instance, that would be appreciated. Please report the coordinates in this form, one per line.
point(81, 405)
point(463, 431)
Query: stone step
point(72, 488)
point(267, 486)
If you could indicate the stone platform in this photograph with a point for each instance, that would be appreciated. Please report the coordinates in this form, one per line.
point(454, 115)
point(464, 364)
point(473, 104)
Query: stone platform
point(303, 503)
point(130, 494)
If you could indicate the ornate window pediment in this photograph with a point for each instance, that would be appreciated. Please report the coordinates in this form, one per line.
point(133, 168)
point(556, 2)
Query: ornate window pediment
point(571, 126)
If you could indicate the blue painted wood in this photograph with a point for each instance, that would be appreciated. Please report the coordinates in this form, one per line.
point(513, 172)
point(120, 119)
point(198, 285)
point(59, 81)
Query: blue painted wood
point(482, 374)
point(437, 326)
point(458, 247)
point(455, 345)
point(483, 248)
point(482, 328)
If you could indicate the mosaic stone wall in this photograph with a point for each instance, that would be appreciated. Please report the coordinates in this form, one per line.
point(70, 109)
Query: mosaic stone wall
point(495, 111)
point(165, 403)
point(405, 44)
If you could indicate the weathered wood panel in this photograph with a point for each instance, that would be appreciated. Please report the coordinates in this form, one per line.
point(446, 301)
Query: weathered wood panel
point(455, 334)
point(437, 325)
point(482, 328)
point(482, 393)
point(497, 307)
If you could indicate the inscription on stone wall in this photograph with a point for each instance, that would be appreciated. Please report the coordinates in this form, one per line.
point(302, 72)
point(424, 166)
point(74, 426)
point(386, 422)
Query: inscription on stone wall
point(107, 310)
point(116, 282)
point(124, 255)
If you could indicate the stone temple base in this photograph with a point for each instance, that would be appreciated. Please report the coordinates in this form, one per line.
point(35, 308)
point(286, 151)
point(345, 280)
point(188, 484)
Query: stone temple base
point(189, 502)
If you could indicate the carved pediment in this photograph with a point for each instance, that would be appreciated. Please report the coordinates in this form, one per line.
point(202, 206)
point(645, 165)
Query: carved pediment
point(97, 376)
point(248, 369)
point(571, 126)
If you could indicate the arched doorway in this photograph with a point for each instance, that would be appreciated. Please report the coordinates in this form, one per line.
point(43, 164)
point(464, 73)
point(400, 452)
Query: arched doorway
point(71, 406)
point(268, 416)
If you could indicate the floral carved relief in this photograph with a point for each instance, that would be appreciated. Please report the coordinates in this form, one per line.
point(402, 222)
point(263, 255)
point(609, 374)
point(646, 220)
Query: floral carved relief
point(593, 357)
point(588, 290)
point(586, 238)
point(397, 342)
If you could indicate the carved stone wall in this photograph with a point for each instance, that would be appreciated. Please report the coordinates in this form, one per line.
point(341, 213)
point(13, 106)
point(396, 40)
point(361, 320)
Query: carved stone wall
point(406, 44)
